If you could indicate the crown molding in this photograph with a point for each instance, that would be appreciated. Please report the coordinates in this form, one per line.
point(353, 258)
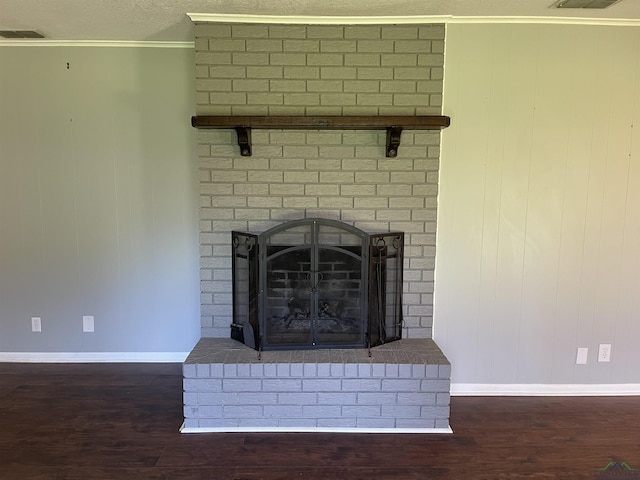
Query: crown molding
point(403, 20)
point(92, 43)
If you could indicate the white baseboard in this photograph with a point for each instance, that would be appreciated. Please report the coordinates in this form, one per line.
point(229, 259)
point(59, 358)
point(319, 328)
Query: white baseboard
point(93, 357)
point(184, 429)
point(551, 390)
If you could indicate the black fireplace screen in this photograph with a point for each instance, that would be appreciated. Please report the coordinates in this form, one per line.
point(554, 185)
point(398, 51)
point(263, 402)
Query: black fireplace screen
point(316, 283)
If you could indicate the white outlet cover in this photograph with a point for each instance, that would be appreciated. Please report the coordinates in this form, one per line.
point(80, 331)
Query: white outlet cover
point(582, 356)
point(604, 352)
point(87, 323)
point(36, 324)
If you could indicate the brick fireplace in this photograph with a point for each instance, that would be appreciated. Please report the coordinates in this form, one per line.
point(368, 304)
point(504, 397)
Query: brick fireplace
point(342, 175)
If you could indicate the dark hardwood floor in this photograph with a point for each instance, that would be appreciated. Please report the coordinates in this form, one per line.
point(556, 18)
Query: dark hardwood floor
point(120, 421)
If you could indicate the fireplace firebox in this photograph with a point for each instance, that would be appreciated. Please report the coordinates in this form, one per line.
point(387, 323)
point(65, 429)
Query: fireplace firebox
point(316, 283)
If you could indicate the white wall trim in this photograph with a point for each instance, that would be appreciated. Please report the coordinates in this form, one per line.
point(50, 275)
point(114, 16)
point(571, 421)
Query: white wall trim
point(184, 429)
point(93, 357)
point(92, 43)
point(537, 389)
point(399, 20)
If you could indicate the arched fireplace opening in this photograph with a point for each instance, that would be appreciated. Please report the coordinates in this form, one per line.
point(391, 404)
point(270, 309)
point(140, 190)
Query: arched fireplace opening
point(316, 283)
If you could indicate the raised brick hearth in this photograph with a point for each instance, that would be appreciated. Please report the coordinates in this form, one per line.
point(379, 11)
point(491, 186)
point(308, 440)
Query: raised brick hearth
point(402, 387)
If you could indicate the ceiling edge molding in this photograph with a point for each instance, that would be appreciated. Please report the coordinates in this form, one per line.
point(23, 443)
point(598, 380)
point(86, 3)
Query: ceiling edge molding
point(620, 22)
point(400, 20)
point(315, 20)
point(93, 43)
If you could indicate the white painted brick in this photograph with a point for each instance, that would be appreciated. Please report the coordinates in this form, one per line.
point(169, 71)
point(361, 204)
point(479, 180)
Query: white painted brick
point(337, 98)
point(362, 31)
point(337, 398)
point(242, 411)
point(204, 411)
point(242, 385)
point(301, 99)
point(431, 60)
point(301, 151)
point(341, 73)
point(375, 422)
point(335, 202)
point(302, 72)
point(321, 411)
point(310, 369)
point(351, 370)
point(418, 398)
point(366, 398)
point(296, 369)
point(263, 45)
point(436, 385)
point(257, 398)
point(288, 86)
point(250, 31)
point(294, 398)
point(378, 370)
point(288, 31)
point(283, 411)
point(401, 411)
point(341, 422)
point(202, 385)
point(189, 370)
point(321, 385)
point(361, 385)
point(321, 190)
point(400, 32)
point(268, 72)
point(400, 385)
point(361, 411)
point(265, 176)
point(441, 423)
point(287, 189)
point(325, 31)
point(325, 59)
point(267, 202)
point(434, 411)
point(282, 385)
point(230, 370)
point(375, 73)
point(414, 423)
point(244, 369)
point(252, 214)
point(219, 422)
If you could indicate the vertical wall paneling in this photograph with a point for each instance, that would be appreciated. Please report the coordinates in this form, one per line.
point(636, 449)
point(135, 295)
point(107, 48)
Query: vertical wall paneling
point(538, 211)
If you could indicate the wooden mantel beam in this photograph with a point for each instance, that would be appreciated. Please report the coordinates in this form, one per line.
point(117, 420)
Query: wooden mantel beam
point(394, 125)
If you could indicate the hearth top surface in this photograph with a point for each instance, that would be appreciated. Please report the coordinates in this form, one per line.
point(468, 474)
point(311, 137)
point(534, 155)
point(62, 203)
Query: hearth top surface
point(406, 351)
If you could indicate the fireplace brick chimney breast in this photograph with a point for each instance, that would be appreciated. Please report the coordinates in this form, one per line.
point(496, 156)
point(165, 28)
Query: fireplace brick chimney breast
point(260, 69)
point(313, 70)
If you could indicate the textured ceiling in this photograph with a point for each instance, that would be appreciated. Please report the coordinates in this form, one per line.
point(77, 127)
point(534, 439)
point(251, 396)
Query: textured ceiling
point(166, 20)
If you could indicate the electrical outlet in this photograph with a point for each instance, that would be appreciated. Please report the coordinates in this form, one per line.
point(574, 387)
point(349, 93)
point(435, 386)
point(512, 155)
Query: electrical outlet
point(582, 356)
point(36, 324)
point(604, 352)
point(87, 323)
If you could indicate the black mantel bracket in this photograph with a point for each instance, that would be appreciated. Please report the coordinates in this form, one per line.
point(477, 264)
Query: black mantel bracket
point(392, 124)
